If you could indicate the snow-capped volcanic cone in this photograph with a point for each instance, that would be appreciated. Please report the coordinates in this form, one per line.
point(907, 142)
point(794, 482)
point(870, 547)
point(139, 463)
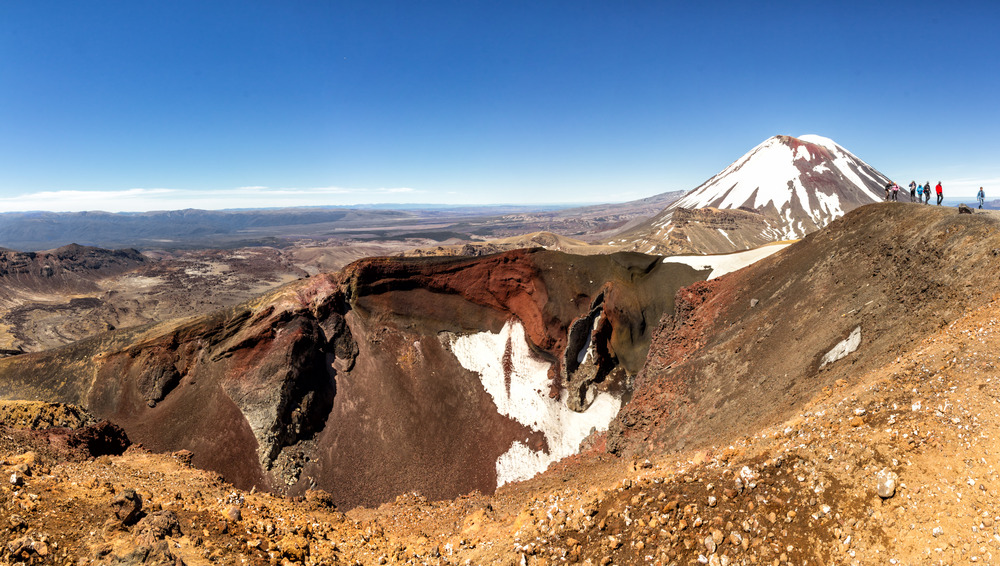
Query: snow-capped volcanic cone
point(782, 189)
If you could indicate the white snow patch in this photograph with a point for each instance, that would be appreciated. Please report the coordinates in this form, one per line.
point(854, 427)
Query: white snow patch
point(528, 402)
point(802, 152)
point(843, 162)
point(765, 170)
point(843, 348)
point(727, 263)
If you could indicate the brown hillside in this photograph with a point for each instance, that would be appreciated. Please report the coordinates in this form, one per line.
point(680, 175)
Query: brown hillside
point(745, 350)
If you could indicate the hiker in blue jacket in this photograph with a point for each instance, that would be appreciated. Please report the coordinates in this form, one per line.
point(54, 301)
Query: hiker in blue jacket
point(981, 197)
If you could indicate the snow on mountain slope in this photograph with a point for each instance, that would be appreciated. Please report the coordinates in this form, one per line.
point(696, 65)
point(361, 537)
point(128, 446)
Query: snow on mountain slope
point(788, 186)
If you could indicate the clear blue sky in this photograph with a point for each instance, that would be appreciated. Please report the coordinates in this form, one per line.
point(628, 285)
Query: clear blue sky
point(208, 104)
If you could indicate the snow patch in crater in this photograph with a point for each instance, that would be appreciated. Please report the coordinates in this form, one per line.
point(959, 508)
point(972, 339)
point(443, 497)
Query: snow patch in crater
point(727, 263)
point(843, 348)
point(528, 401)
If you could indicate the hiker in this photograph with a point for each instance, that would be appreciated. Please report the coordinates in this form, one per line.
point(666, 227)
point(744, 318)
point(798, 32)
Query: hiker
point(927, 192)
point(913, 190)
point(895, 192)
point(981, 197)
point(940, 193)
point(920, 193)
point(888, 190)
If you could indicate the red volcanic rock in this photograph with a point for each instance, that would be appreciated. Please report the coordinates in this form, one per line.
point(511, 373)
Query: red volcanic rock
point(347, 383)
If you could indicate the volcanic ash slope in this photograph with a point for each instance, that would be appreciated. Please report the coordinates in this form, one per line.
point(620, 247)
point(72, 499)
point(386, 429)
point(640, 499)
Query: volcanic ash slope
point(746, 349)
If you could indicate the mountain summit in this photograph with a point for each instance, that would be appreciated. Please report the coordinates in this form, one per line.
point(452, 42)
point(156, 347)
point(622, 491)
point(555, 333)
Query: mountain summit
point(782, 189)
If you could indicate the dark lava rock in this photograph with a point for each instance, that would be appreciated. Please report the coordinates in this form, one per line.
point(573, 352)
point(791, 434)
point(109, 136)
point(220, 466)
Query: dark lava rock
point(102, 439)
point(127, 506)
point(157, 526)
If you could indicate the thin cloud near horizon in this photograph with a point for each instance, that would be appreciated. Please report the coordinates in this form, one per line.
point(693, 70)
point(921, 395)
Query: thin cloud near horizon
point(148, 199)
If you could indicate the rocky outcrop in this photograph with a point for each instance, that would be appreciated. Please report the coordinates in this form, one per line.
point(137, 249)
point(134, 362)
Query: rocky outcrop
point(67, 264)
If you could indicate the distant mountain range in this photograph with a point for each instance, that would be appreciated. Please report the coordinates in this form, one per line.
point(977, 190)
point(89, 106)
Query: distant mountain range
point(30, 231)
point(176, 229)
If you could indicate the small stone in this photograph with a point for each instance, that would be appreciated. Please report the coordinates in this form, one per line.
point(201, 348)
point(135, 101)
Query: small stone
point(320, 498)
point(232, 513)
point(856, 421)
point(16, 479)
point(127, 506)
point(886, 483)
point(40, 548)
point(184, 456)
point(710, 545)
point(712, 501)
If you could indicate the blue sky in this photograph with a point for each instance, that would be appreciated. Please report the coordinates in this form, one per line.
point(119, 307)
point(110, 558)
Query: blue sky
point(136, 105)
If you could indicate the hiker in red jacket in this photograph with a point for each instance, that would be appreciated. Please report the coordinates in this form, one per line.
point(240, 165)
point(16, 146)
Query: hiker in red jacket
point(940, 193)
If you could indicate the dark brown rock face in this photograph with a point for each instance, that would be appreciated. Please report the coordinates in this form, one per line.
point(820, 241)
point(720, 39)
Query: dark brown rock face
point(347, 382)
point(72, 264)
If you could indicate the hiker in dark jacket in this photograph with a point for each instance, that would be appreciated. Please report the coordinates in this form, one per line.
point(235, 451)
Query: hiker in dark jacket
point(927, 192)
point(913, 190)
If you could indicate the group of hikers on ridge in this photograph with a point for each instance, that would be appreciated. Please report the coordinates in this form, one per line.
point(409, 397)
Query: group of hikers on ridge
point(918, 193)
point(922, 193)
